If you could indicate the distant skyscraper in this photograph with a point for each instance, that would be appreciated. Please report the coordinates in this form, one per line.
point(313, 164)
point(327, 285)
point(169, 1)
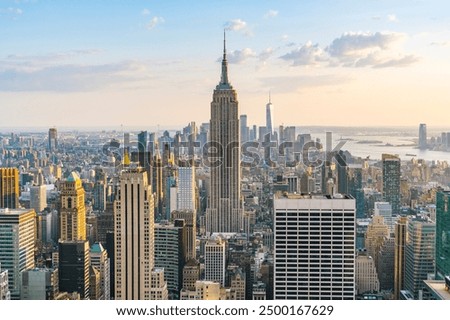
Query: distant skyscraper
point(314, 247)
point(419, 254)
point(391, 181)
point(142, 141)
point(384, 209)
point(74, 263)
point(442, 234)
point(99, 195)
point(38, 198)
point(376, 233)
point(134, 239)
point(52, 139)
point(73, 210)
point(225, 212)
point(9, 188)
point(215, 261)
point(269, 117)
point(17, 244)
point(422, 136)
point(244, 128)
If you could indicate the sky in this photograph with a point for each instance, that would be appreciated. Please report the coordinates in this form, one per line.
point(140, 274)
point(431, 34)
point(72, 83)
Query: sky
point(142, 63)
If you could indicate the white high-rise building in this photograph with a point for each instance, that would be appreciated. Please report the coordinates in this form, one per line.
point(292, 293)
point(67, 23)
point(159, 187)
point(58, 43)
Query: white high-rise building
point(215, 260)
point(314, 247)
point(134, 237)
point(186, 189)
point(17, 244)
point(38, 198)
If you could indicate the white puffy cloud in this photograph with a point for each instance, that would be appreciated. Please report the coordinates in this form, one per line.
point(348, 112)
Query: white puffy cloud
point(235, 25)
point(238, 25)
point(307, 54)
point(355, 49)
point(240, 56)
point(154, 22)
point(359, 43)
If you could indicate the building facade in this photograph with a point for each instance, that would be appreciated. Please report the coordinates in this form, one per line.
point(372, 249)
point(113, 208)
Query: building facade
point(17, 245)
point(73, 210)
point(314, 247)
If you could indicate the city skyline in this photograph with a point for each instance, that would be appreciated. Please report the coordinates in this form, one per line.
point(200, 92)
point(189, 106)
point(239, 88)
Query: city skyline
point(95, 65)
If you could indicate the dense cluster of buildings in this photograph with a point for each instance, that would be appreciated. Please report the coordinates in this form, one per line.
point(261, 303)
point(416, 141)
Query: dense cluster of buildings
point(218, 212)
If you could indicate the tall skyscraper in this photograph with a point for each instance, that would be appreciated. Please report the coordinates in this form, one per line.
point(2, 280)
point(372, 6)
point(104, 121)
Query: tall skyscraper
point(52, 139)
point(74, 263)
point(399, 256)
point(442, 234)
point(73, 210)
point(17, 243)
point(225, 212)
point(391, 181)
point(269, 117)
point(419, 254)
point(9, 188)
point(215, 261)
point(169, 254)
point(134, 239)
point(422, 136)
point(314, 247)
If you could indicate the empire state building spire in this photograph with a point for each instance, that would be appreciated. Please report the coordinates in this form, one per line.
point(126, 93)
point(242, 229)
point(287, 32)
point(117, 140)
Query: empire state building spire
point(224, 84)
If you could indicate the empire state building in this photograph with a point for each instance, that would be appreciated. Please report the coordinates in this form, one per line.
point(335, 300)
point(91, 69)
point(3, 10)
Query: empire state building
point(224, 212)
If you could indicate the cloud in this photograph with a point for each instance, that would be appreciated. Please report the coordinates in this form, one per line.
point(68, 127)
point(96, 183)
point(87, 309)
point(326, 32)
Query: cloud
point(376, 50)
point(238, 25)
point(154, 22)
point(307, 54)
point(358, 43)
point(392, 18)
point(240, 56)
point(271, 14)
point(145, 12)
point(355, 49)
point(376, 18)
point(71, 77)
